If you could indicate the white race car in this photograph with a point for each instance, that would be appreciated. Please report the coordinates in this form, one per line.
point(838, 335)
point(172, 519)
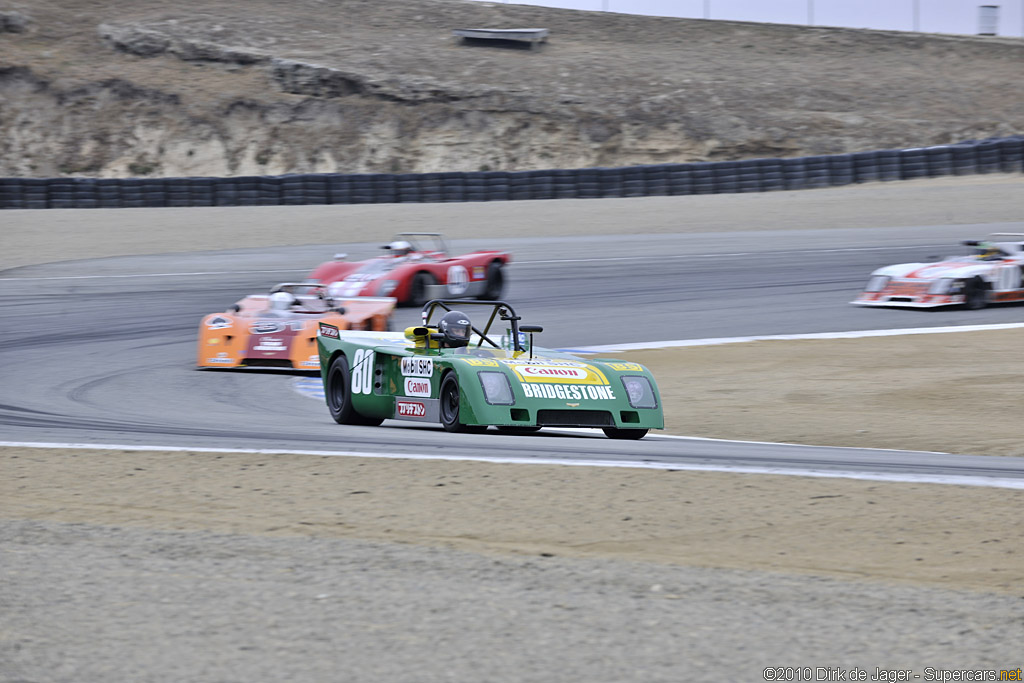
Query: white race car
point(993, 274)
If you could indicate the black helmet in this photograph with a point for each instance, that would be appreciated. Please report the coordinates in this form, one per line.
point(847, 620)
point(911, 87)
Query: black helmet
point(456, 328)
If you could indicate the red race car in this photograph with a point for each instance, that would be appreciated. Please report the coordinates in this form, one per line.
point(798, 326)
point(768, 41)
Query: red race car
point(415, 268)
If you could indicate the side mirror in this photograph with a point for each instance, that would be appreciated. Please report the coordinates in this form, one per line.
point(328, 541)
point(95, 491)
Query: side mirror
point(531, 330)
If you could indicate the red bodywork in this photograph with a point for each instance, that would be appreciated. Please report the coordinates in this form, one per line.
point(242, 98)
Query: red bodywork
point(394, 274)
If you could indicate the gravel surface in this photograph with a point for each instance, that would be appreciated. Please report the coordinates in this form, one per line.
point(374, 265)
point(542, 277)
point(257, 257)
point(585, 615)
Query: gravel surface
point(117, 604)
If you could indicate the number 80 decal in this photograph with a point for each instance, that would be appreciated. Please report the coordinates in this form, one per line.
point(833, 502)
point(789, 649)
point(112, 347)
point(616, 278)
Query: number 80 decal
point(362, 371)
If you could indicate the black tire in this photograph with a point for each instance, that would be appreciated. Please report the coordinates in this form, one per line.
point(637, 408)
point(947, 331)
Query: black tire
point(339, 397)
point(450, 397)
point(975, 296)
point(516, 429)
point(495, 282)
point(418, 288)
point(632, 434)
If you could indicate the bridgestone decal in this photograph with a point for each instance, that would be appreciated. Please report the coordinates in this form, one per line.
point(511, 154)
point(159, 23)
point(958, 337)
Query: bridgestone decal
point(569, 392)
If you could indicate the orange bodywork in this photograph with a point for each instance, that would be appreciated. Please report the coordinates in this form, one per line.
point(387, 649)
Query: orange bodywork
point(250, 334)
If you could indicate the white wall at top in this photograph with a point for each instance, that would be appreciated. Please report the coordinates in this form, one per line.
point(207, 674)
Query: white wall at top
point(932, 16)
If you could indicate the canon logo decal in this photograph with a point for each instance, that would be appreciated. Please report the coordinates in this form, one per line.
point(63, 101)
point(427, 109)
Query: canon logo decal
point(415, 386)
point(550, 372)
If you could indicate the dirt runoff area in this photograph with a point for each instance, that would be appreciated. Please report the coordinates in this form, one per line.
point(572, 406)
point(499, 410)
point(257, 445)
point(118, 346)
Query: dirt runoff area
point(949, 393)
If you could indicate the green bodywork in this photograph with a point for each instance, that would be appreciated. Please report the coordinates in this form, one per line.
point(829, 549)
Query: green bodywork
point(396, 375)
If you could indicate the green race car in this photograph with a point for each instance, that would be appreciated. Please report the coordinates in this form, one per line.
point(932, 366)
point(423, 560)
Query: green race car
point(467, 378)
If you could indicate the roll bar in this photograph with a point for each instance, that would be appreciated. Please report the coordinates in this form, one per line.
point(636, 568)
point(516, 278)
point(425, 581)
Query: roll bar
point(498, 308)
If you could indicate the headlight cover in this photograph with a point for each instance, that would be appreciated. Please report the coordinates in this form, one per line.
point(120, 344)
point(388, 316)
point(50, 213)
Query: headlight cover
point(877, 283)
point(639, 391)
point(497, 390)
point(941, 286)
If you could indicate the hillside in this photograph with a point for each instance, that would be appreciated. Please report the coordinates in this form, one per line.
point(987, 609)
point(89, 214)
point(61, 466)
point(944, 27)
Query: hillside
point(226, 87)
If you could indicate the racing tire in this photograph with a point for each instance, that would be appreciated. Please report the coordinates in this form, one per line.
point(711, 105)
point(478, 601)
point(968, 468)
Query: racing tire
point(450, 397)
point(339, 397)
point(630, 434)
point(418, 288)
point(517, 429)
point(495, 282)
point(975, 296)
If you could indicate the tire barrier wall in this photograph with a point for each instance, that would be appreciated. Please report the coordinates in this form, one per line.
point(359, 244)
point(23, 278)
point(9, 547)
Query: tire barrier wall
point(998, 155)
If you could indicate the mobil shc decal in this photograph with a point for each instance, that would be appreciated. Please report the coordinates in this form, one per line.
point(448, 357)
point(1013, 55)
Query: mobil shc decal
point(556, 372)
point(417, 367)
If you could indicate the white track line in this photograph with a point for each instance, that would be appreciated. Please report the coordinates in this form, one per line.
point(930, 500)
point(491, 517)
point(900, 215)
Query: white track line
point(141, 275)
point(858, 334)
point(760, 254)
point(989, 482)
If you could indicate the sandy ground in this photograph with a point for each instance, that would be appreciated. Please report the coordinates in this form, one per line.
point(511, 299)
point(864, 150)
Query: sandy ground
point(870, 392)
point(951, 536)
point(951, 393)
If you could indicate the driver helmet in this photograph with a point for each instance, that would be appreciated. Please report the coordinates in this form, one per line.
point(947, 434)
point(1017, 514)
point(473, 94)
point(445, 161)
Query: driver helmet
point(456, 328)
point(281, 301)
point(991, 252)
point(399, 248)
point(336, 290)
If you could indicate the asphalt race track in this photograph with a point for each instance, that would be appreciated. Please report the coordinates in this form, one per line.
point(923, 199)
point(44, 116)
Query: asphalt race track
point(101, 351)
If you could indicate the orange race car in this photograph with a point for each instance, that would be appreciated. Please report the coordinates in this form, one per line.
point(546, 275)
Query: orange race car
point(278, 329)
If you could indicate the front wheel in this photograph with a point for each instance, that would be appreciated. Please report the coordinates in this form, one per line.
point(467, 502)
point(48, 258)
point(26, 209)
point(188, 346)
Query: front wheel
point(616, 433)
point(418, 288)
point(975, 297)
point(338, 392)
point(450, 396)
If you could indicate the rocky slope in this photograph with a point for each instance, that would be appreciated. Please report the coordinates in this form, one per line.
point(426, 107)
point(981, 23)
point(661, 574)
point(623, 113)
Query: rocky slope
point(224, 87)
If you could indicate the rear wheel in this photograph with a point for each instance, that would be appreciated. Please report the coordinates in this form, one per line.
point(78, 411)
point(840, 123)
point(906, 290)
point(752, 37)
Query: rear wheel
point(616, 433)
point(418, 288)
point(450, 396)
point(337, 391)
point(495, 282)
